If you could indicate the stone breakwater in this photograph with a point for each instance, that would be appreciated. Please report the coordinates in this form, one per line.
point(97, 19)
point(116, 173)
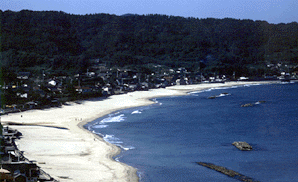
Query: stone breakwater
point(228, 172)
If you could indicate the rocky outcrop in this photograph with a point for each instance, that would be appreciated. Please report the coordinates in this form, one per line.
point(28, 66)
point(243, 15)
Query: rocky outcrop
point(242, 145)
point(212, 97)
point(260, 102)
point(247, 105)
point(220, 95)
point(253, 104)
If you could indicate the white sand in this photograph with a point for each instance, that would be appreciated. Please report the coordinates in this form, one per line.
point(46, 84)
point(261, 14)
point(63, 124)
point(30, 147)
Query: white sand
point(76, 154)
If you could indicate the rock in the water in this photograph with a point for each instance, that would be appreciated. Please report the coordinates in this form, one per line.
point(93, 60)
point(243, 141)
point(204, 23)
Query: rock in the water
point(247, 105)
point(212, 97)
point(220, 95)
point(242, 145)
point(260, 102)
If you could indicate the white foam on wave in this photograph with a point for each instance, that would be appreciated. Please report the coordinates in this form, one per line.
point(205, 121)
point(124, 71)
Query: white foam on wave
point(252, 84)
point(124, 147)
point(159, 103)
point(200, 91)
point(136, 112)
point(140, 174)
point(113, 119)
point(99, 134)
point(100, 126)
point(222, 88)
point(211, 89)
point(195, 92)
point(208, 90)
point(114, 114)
point(116, 141)
point(112, 139)
point(223, 94)
point(127, 148)
point(110, 119)
point(117, 159)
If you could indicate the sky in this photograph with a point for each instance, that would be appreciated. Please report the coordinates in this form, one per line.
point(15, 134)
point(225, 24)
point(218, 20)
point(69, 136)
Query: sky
point(272, 11)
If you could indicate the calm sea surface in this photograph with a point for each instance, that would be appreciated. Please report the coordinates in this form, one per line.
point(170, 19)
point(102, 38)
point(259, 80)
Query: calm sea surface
point(163, 141)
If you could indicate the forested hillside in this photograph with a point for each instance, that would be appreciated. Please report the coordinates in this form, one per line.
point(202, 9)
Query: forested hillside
point(60, 41)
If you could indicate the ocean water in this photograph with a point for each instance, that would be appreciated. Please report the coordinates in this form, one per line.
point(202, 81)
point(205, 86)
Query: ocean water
point(163, 141)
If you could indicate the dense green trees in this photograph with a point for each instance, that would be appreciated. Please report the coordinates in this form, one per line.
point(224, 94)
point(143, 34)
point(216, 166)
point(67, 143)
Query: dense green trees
point(56, 40)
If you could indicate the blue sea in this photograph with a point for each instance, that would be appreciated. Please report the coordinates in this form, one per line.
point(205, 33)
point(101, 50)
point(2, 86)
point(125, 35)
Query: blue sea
point(165, 140)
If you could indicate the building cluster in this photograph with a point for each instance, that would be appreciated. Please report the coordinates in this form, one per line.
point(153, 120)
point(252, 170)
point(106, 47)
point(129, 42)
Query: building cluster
point(14, 166)
point(29, 91)
point(48, 89)
point(282, 71)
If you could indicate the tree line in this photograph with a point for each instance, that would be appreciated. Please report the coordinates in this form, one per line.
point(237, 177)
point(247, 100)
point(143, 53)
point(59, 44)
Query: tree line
point(61, 41)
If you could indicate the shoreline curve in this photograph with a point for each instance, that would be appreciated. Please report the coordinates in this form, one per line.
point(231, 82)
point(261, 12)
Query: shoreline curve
point(77, 154)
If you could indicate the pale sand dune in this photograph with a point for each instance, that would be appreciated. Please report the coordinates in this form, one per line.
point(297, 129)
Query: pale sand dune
point(76, 154)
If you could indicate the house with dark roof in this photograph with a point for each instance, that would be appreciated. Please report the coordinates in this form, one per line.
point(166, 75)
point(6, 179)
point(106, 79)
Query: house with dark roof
point(23, 75)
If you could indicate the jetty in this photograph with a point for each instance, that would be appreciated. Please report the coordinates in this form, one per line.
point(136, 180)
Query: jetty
point(228, 172)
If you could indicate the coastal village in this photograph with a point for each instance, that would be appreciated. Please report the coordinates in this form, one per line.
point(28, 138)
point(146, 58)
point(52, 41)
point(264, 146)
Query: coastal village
point(38, 91)
point(15, 167)
point(28, 90)
point(60, 72)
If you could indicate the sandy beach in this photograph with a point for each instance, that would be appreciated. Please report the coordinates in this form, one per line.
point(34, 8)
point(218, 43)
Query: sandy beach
point(56, 140)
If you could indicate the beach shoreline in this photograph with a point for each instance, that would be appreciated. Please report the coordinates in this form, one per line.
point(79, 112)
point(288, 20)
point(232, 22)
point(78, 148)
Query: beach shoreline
point(72, 152)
